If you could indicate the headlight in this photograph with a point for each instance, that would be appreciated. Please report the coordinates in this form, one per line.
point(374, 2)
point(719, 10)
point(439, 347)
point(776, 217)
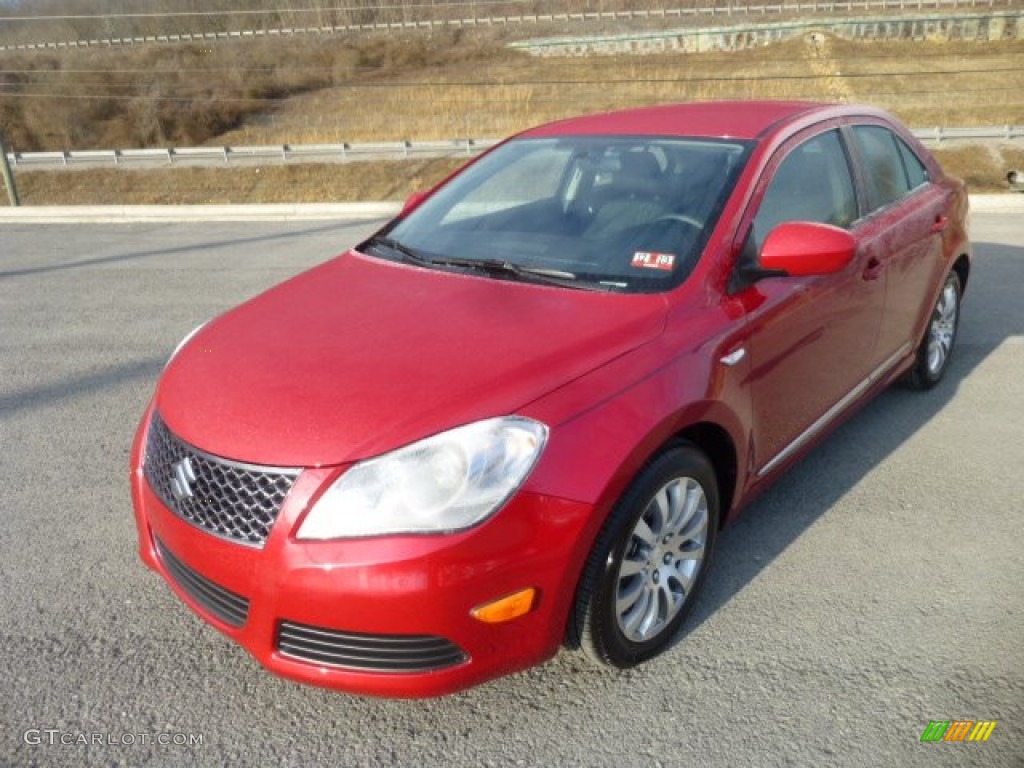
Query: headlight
point(442, 484)
point(184, 341)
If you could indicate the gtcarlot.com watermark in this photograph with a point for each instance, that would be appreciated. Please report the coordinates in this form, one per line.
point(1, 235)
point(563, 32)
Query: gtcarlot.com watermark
point(54, 737)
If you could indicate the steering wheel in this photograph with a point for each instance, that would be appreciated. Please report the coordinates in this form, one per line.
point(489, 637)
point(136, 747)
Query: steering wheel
point(681, 217)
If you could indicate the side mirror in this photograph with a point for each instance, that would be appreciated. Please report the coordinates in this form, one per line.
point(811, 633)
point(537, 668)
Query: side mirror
point(412, 202)
point(802, 248)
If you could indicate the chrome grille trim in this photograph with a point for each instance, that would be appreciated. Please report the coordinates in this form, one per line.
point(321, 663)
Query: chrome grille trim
point(371, 653)
point(230, 499)
point(228, 606)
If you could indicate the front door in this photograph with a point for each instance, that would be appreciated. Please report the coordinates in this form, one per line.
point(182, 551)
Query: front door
point(812, 340)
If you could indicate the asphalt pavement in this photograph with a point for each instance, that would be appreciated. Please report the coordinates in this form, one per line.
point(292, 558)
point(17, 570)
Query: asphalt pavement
point(875, 588)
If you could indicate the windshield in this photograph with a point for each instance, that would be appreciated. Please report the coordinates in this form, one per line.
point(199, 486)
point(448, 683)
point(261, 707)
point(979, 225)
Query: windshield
point(627, 213)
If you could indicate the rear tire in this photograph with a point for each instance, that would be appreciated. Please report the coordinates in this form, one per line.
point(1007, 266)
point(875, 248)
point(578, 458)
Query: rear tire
point(649, 561)
point(936, 348)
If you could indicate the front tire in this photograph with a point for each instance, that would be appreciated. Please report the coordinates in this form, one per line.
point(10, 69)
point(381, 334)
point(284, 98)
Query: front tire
point(937, 346)
point(649, 561)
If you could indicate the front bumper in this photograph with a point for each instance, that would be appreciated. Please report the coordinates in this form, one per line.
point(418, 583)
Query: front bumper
point(398, 606)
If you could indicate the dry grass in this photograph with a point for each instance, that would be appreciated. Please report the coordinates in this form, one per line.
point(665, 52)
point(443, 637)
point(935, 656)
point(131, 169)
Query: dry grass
point(501, 97)
point(983, 168)
point(455, 84)
point(190, 94)
point(327, 183)
point(420, 86)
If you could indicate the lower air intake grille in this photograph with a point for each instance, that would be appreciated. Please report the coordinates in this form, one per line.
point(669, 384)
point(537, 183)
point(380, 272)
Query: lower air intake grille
point(375, 653)
point(227, 606)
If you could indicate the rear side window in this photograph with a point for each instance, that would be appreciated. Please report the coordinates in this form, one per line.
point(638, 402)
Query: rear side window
point(813, 183)
point(884, 173)
point(917, 174)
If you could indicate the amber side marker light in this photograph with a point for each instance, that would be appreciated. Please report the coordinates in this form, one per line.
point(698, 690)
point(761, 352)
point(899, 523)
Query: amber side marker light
point(505, 608)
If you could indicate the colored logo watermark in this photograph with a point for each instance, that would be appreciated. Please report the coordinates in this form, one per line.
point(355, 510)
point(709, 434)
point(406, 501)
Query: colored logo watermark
point(958, 730)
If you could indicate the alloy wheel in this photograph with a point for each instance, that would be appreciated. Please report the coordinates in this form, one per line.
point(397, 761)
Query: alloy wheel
point(943, 329)
point(663, 557)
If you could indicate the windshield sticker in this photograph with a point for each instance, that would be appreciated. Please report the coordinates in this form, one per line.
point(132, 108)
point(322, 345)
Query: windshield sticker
point(652, 260)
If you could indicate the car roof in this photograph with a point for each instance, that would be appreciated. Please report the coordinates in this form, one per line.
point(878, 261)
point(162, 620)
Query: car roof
point(720, 119)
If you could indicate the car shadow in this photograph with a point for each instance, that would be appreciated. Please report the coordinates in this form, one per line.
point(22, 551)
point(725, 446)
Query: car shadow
point(991, 314)
point(139, 370)
point(204, 246)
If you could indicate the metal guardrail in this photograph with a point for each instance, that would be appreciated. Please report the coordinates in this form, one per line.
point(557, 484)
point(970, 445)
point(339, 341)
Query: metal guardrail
point(242, 154)
point(809, 6)
point(939, 135)
point(283, 153)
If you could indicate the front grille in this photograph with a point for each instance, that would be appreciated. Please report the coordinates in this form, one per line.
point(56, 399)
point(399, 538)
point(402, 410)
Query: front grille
point(375, 653)
point(237, 501)
point(229, 607)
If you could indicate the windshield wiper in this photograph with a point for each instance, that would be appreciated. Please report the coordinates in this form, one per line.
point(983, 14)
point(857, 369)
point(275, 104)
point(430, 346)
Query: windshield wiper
point(534, 274)
point(494, 266)
point(404, 250)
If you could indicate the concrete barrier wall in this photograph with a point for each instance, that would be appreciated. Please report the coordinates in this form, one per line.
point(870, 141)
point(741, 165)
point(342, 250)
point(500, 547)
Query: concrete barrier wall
point(1006, 25)
point(787, 7)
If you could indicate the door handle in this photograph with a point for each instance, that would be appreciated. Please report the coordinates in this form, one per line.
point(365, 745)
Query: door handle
point(940, 223)
point(873, 270)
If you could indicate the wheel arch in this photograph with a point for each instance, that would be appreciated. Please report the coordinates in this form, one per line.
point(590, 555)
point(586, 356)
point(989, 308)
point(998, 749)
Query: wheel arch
point(962, 267)
point(715, 442)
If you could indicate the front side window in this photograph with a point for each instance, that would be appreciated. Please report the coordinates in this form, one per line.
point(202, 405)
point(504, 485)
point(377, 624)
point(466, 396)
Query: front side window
point(884, 173)
point(813, 183)
point(624, 213)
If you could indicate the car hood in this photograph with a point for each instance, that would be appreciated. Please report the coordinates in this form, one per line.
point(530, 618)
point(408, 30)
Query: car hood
point(360, 356)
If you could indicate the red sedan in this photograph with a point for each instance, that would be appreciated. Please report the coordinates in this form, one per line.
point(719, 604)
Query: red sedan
point(518, 415)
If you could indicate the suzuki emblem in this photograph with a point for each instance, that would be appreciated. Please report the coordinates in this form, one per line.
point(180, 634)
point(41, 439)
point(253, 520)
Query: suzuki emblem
point(183, 478)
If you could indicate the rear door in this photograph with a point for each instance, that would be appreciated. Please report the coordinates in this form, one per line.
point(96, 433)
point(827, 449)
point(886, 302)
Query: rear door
point(901, 232)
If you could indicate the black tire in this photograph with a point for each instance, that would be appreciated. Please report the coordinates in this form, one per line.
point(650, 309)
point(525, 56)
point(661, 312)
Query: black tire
point(936, 347)
point(596, 625)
